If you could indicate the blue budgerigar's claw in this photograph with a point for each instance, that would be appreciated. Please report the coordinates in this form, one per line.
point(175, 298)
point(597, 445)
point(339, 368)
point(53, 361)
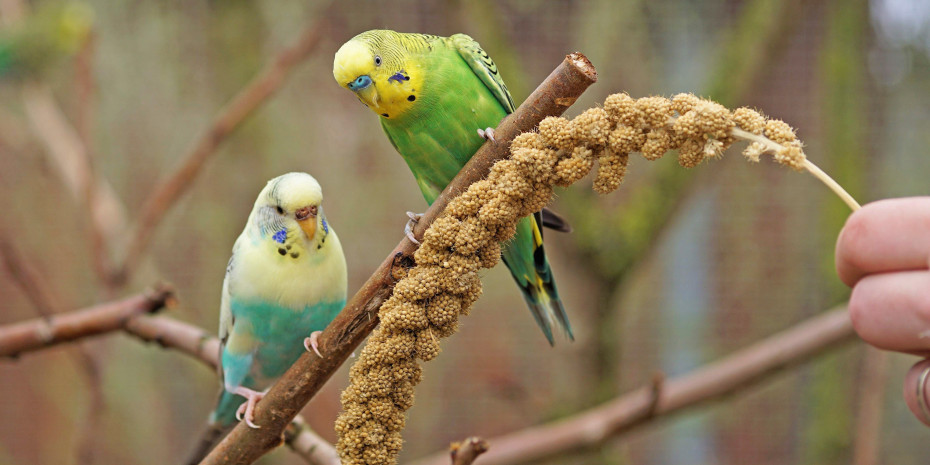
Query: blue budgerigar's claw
point(246, 411)
point(487, 133)
point(312, 343)
point(408, 229)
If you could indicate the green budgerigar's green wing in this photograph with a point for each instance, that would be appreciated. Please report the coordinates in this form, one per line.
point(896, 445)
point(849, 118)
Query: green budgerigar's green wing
point(483, 67)
point(430, 190)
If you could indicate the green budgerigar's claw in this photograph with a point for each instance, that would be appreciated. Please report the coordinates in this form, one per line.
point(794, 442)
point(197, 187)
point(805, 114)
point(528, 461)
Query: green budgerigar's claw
point(408, 228)
point(487, 134)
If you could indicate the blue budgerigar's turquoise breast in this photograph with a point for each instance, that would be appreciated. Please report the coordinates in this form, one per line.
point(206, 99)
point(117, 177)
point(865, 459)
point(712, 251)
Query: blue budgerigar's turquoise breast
point(281, 331)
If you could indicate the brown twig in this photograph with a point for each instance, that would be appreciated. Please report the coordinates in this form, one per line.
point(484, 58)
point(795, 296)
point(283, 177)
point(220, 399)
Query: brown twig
point(31, 335)
point(242, 105)
point(465, 452)
point(748, 366)
point(245, 445)
point(85, 89)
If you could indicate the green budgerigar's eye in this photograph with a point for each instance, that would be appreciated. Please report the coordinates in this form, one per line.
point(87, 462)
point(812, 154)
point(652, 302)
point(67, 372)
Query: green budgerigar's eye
point(377, 60)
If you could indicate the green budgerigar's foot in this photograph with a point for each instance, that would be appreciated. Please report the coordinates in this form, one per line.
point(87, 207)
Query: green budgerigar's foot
point(312, 343)
point(247, 409)
point(487, 134)
point(408, 229)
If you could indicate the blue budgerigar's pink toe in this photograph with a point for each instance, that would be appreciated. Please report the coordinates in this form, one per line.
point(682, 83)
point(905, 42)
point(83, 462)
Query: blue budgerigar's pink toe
point(312, 343)
point(246, 411)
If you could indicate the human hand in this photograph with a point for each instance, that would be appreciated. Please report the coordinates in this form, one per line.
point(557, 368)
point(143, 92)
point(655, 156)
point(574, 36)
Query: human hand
point(883, 253)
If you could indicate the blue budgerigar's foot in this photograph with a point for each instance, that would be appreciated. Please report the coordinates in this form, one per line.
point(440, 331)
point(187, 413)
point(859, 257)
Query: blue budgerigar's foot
point(247, 409)
point(313, 343)
point(487, 134)
point(408, 229)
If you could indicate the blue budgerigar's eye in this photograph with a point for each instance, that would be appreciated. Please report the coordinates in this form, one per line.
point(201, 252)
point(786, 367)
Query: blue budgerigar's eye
point(377, 60)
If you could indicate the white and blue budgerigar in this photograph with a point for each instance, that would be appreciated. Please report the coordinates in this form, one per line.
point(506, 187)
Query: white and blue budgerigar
point(285, 281)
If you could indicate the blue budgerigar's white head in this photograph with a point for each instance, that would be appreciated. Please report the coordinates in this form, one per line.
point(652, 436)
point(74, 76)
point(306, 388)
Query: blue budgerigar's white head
point(288, 211)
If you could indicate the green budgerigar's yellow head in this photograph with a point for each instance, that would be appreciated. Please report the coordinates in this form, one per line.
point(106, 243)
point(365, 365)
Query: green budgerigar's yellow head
point(288, 211)
point(381, 68)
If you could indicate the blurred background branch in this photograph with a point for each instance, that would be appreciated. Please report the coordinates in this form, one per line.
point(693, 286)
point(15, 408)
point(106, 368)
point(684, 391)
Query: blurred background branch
point(53, 329)
point(731, 375)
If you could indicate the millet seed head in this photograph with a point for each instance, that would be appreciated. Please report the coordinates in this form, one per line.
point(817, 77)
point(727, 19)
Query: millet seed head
point(658, 141)
point(779, 131)
point(749, 120)
point(656, 111)
point(691, 153)
point(557, 132)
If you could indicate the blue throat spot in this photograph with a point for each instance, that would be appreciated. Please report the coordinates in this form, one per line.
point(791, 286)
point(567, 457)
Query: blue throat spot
point(280, 236)
point(325, 226)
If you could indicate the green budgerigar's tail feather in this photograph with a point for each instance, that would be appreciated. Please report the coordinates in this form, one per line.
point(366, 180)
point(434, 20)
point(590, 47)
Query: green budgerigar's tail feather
point(554, 221)
point(526, 259)
point(222, 421)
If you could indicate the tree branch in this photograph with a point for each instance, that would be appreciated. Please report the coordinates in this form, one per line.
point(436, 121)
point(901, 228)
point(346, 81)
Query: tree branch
point(309, 445)
point(40, 333)
point(174, 334)
point(245, 445)
point(249, 99)
point(467, 451)
point(748, 366)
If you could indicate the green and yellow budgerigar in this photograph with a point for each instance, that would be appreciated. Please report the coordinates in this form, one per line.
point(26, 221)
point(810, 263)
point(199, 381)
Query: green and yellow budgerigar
point(435, 96)
point(286, 280)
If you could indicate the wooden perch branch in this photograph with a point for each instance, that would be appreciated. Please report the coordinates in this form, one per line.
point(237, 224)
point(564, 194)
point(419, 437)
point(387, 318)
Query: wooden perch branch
point(249, 99)
point(748, 366)
point(245, 445)
point(40, 333)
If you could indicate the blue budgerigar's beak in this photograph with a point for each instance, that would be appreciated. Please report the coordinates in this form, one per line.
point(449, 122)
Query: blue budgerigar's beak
point(360, 83)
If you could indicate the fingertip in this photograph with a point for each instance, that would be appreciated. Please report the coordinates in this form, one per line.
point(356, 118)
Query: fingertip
point(912, 391)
